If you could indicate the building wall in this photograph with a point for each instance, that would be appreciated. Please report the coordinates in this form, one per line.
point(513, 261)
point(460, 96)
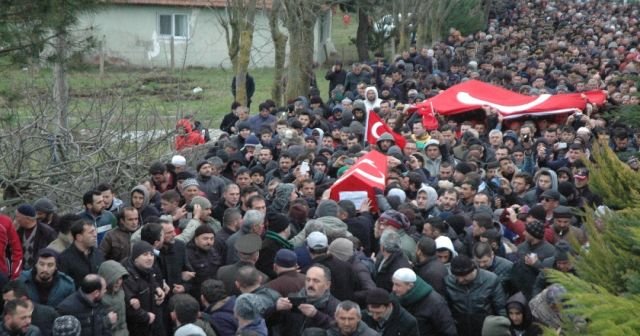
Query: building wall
point(131, 36)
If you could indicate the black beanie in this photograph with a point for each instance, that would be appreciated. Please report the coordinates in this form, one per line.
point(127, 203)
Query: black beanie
point(277, 222)
point(140, 248)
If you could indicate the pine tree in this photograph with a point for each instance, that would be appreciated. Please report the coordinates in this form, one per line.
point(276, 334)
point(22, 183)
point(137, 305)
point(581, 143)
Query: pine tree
point(607, 292)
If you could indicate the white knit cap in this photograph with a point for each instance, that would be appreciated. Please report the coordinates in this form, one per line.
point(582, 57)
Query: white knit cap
point(178, 160)
point(405, 275)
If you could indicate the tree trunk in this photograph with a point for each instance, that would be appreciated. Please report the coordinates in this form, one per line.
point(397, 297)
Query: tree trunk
point(300, 69)
point(362, 35)
point(245, 42)
point(60, 85)
point(280, 46)
point(402, 19)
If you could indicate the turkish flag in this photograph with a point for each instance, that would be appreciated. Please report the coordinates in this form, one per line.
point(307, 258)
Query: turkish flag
point(370, 171)
point(376, 127)
point(472, 95)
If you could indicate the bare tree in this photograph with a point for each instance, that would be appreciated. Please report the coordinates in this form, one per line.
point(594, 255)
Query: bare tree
point(280, 46)
point(300, 18)
point(238, 25)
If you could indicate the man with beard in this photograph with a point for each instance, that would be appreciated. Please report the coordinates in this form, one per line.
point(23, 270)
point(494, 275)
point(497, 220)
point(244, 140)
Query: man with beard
point(17, 319)
point(42, 317)
point(95, 213)
point(44, 283)
point(349, 321)
point(143, 292)
point(116, 244)
point(173, 260)
point(86, 305)
point(316, 306)
point(33, 234)
point(202, 257)
point(212, 186)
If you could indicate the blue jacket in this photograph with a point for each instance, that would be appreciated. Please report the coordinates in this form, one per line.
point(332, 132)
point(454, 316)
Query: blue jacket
point(222, 319)
point(63, 286)
point(103, 222)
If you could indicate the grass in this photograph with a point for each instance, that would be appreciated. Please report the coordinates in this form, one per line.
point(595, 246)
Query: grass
point(153, 92)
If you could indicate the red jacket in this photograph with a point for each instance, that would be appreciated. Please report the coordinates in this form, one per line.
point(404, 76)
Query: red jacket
point(190, 138)
point(9, 241)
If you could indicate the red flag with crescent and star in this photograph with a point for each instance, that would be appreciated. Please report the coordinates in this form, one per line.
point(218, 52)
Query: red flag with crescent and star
point(472, 94)
point(369, 172)
point(377, 127)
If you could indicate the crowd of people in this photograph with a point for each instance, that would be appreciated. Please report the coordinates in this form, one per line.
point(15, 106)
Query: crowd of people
point(246, 241)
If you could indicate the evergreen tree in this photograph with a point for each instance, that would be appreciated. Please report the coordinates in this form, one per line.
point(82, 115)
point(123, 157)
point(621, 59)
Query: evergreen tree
point(607, 292)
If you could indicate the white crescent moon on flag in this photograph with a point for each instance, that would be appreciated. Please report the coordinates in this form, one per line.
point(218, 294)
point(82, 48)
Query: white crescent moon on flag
point(467, 99)
point(374, 129)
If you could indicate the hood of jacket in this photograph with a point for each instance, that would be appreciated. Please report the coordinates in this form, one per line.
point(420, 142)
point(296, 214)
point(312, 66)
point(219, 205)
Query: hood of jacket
point(554, 178)
point(371, 88)
point(518, 300)
point(111, 271)
point(432, 195)
point(445, 242)
point(419, 290)
point(282, 196)
point(334, 227)
point(142, 189)
point(186, 124)
point(385, 136)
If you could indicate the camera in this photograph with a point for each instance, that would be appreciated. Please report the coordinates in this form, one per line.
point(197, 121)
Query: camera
point(297, 300)
point(189, 208)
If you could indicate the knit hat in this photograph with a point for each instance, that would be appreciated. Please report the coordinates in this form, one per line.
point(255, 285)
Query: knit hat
point(405, 275)
point(286, 258)
point(184, 175)
point(496, 326)
point(341, 248)
point(66, 325)
point(551, 194)
point(45, 205)
point(462, 265)
point(203, 229)
point(48, 252)
point(395, 219)
point(27, 210)
point(327, 208)
point(248, 306)
point(538, 212)
point(562, 251)
point(189, 183)
point(251, 141)
point(201, 163)
point(139, 248)
point(277, 222)
point(203, 202)
point(178, 161)
point(378, 296)
point(536, 229)
point(243, 125)
point(317, 240)
point(554, 293)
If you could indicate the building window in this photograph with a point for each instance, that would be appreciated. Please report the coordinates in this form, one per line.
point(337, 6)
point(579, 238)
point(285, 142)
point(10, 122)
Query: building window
point(175, 25)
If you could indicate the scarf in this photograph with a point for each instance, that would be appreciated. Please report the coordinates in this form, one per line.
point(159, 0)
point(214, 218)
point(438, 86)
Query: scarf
point(279, 240)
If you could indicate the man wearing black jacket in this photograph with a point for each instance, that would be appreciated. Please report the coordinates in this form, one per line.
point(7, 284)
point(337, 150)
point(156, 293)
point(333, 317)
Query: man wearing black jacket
point(387, 317)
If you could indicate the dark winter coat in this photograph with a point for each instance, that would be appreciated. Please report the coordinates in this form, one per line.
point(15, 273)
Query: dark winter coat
point(204, 263)
point(44, 235)
point(433, 271)
point(383, 276)
point(294, 322)
point(172, 262)
point(270, 245)
point(63, 286)
point(362, 330)
point(400, 323)
point(471, 303)
point(528, 327)
point(43, 317)
point(141, 285)
point(344, 283)
point(362, 228)
point(92, 315)
point(523, 276)
point(77, 265)
point(430, 310)
point(221, 318)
